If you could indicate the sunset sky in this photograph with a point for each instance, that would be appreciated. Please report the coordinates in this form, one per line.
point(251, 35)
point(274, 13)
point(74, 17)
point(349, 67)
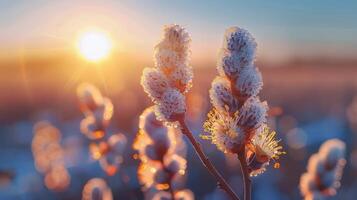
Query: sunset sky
point(284, 29)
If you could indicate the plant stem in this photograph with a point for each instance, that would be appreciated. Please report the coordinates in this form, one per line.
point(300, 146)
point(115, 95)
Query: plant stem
point(172, 192)
point(246, 178)
point(221, 182)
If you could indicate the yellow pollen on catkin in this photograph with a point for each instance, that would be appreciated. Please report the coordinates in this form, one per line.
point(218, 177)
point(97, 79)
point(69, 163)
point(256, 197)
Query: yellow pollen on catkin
point(277, 165)
point(222, 129)
point(265, 143)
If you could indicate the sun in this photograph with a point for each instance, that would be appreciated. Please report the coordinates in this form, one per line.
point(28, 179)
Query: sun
point(94, 46)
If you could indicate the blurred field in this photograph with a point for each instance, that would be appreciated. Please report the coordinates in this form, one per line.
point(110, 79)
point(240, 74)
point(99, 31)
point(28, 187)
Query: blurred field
point(308, 89)
point(309, 98)
point(306, 53)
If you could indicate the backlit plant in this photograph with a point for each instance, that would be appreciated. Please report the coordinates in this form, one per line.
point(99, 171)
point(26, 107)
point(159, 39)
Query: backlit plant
point(98, 111)
point(161, 151)
point(238, 122)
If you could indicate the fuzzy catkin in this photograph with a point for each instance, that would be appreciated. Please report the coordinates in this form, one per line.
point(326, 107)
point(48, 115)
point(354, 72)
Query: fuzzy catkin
point(236, 87)
point(98, 112)
point(162, 154)
point(235, 123)
point(324, 171)
point(171, 78)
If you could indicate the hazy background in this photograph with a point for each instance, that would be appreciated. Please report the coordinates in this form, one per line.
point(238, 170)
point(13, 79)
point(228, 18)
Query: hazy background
point(306, 52)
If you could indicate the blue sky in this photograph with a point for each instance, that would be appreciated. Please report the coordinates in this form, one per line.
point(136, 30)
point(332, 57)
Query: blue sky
point(283, 28)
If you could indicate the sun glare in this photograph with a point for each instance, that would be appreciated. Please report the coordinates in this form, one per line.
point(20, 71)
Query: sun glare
point(94, 46)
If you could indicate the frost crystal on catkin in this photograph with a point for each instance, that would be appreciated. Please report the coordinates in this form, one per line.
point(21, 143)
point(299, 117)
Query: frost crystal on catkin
point(171, 104)
point(172, 76)
point(161, 151)
point(238, 120)
point(154, 83)
point(324, 171)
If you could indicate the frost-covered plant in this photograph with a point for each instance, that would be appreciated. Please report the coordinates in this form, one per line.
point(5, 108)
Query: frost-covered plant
point(237, 122)
point(98, 111)
point(324, 171)
point(161, 151)
point(95, 189)
point(49, 156)
point(168, 82)
point(171, 78)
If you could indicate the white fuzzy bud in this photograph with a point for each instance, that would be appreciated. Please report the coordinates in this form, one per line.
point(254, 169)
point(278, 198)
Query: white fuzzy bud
point(253, 113)
point(181, 78)
point(172, 104)
point(241, 42)
point(176, 38)
point(172, 78)
point(249, 82)
point(221, 95)
point(154, 83)
point(166, 59)
point(229, 65)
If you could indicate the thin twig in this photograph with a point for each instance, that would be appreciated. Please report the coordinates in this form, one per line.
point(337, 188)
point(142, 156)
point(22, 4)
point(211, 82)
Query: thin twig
point(246, 178)
point(206, 162)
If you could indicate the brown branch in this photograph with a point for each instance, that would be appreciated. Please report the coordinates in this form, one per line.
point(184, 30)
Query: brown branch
point(206, 162)
point(246, 178)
